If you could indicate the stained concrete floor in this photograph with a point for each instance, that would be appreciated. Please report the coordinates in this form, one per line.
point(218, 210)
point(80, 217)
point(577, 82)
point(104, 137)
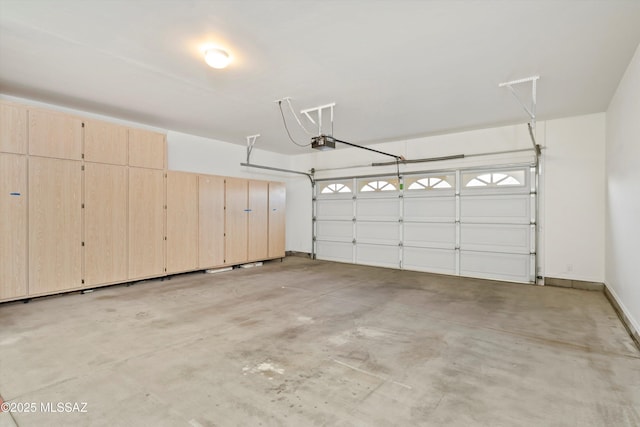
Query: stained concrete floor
point(312, 343)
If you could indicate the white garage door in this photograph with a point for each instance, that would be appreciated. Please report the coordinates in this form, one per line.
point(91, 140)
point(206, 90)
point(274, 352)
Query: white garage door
point(471, 223)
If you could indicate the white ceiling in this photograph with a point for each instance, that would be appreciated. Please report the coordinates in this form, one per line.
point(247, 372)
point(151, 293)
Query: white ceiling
point(396, 69)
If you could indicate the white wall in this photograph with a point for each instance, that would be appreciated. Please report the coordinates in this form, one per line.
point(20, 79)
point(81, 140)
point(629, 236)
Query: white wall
point(574, 198)
point(623, 193)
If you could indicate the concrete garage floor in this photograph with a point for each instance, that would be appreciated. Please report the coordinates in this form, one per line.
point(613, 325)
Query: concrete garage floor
point(305, 343)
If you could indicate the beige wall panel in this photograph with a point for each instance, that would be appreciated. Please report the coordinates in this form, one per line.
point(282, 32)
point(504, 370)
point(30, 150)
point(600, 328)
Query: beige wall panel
point(147, 149)
point(55, 225)
point(236, 221)
point(53, 134)
point(182, 222)
point(277, 208)
point(13, 128)
point(146, 223)
point(258, 220)
point(13, 226)
point(105, 223)
point(105, 142)
point(211, 220)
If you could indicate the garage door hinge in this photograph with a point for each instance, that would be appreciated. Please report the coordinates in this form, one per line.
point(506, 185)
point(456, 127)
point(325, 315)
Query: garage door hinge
point(533, 193)
point(83, 124)
point(314, 198)
point(354, 197)
point(82, 206)
point(353, 241)
point(165, 237)
point(354, 219)
point(82, 156)
point(313, 219)
point(400, 196)
point(400, 220)
point(532, 223)
point(457, 248)
point(400, 244)
point(82, 281)
point(532, 253)
point(82, 167)
point(82, 243)
point(314, 238)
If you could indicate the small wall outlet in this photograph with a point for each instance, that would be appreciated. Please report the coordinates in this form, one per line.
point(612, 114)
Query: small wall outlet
point(569, 268)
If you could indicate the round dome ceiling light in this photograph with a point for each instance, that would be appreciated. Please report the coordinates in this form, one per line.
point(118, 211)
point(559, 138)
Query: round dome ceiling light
point(217, 58)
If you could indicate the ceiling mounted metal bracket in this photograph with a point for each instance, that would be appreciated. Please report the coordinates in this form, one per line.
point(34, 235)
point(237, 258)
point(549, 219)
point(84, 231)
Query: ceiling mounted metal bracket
point(318, 113)
point(531, 109)
point(251, 141)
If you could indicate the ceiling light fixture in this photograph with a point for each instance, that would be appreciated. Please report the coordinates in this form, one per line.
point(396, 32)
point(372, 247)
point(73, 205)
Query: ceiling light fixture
point(217, 58)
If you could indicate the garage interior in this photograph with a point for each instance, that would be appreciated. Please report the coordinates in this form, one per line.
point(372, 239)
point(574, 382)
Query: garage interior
point(319, 213)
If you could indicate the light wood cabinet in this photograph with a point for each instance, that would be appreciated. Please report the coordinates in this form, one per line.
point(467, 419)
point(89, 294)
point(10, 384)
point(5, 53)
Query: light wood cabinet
point(146, 223)
point(258, 246)
point(182, 222)
point(55, 225)
point(85, 203)
point(277, 208)
point(13, 128)
point(55, 135)
point(105, 223)
point(13, 226)
point(236, 221)
point(211, 221)
point(105, 142)
point(147, 149)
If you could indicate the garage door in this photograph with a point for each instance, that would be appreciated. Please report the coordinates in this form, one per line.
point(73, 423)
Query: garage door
point(475, 223)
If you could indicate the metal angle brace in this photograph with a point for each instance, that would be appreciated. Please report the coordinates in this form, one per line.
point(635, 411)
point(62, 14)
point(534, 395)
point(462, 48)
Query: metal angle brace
point(251, 141)
point(531, 110)
point(318, 110)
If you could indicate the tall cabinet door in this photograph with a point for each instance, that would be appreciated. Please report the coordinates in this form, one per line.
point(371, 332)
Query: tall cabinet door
point(13, 128)
point(146, 223)
point(211, 221)
point(182, 222)
point(13, 226)
point(277, 208)
point(236, 222)
point(258, 220)
point(105, 223)
point(55, 225)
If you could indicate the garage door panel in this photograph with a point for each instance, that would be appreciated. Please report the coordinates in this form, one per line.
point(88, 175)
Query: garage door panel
point(429, 209)
point(335, 209)
point(340, 231)
point(430, 234)
point(334, 251)
point(496, 238)
point(378, 255)
point(496, 209)
point(378, 209)
point(511, 267)
point(378, 232)
point(429, 259)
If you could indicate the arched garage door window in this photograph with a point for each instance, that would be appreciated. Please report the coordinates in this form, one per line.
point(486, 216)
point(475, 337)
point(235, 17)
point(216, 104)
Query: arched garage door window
point(495, 179)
